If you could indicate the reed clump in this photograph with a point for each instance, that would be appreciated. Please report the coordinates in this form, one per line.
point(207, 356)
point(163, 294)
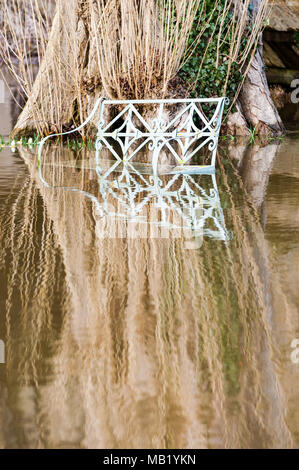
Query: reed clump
point(125, 49)
point(141, 45)
point(25, 26)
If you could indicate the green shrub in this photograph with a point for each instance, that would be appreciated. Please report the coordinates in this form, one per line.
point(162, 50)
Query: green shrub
point(212, 79)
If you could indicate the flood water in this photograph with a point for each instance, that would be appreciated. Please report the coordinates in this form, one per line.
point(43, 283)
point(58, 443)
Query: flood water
point(142, 313)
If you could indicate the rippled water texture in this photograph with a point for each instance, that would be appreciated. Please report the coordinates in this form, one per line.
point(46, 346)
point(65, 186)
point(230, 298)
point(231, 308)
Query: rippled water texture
point(123, 332)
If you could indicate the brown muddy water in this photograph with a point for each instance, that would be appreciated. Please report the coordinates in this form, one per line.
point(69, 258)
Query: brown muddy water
point(125, 330)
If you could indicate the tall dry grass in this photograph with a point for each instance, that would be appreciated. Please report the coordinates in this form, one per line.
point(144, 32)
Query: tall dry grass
point(141, 50)
point(24, 31)
point(141, 45)
point(118, 48)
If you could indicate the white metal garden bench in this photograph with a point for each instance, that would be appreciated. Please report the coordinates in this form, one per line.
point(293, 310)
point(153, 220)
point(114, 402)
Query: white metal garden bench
point(189, 131)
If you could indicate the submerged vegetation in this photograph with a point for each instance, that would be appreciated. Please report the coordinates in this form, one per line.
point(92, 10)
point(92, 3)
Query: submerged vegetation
point(31, 142)
point(123, 49)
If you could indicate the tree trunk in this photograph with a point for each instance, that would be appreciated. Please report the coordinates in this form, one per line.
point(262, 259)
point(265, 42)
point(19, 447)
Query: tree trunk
point(255, 107)
point(67, 83)
point(255, 101)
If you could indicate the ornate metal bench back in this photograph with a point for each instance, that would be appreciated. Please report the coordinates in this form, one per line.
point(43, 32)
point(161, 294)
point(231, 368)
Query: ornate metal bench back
point(190, 128)
point(183, 129)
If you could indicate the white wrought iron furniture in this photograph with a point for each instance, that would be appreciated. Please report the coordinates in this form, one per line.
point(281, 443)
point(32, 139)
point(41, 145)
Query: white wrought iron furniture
point(183, 136)
point(188, 131)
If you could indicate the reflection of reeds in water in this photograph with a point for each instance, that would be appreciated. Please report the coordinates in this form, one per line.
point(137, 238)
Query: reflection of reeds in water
point(159, 346)
point(31, 271)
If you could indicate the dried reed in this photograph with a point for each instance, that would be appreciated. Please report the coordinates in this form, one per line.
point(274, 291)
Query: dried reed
point(25, 27)
point(141, 45)
point(132, 49)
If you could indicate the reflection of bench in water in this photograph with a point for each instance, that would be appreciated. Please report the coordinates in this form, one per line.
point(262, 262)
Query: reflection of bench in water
point(194, 125)
point(131, 202)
